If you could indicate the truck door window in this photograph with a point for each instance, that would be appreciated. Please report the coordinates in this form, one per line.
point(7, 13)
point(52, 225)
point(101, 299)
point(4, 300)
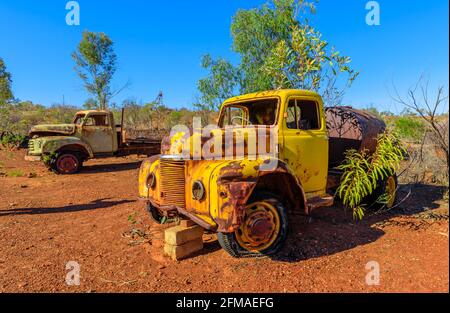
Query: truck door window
point(101, 120)
point(291, 119)
point(308, 114)
point(89, 121)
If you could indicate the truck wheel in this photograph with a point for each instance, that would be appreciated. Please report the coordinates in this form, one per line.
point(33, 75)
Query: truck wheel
point(67, 163)
point(385, 195)
point(263, 231)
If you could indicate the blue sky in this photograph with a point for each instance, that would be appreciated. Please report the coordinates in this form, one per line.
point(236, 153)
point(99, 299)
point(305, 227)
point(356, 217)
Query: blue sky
point(159, 45)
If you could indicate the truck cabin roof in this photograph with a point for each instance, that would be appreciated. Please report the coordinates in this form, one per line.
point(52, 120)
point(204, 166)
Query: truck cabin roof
point(272, 93)
point(85, 112)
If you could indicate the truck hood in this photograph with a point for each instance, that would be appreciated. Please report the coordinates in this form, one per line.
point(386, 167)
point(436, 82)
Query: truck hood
point(57, 129)
point(237, 142)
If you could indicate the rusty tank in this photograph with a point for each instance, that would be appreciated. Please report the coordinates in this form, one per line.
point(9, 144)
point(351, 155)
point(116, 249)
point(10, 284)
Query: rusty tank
point(349, 128)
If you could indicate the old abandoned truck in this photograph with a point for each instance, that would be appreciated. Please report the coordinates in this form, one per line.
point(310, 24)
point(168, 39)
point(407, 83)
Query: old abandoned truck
point(242, 200)
point(92, 134)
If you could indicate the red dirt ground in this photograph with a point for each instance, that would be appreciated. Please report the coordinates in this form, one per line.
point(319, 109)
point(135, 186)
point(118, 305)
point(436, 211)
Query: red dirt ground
point(48, 220)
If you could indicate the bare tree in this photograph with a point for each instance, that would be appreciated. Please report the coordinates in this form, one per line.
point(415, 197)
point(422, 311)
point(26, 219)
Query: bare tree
point(431, 111)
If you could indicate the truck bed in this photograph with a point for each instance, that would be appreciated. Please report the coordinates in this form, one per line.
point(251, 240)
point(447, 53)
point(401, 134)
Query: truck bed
point(140, 141)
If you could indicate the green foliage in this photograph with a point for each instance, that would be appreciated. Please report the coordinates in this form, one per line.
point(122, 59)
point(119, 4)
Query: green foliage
point(49, 158)
point(91, 104)
point(15, 173)
point(409, 128)
point(18, 117)
point(256, 32)
point(305, 62)
point(132, 218)
point(278, 48)
point(95, 61)
point(220, 84)
point(6, 94)
point(373, 110)
point(362, 172)
point(156, 115)
point(387, 157)
point(11, 140)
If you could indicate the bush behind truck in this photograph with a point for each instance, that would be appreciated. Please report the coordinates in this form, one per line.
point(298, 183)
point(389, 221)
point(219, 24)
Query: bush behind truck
point(242, 200)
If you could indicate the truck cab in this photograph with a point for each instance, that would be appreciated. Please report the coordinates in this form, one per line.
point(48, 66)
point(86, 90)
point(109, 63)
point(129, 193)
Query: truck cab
point(238, 197)
point(97, 128)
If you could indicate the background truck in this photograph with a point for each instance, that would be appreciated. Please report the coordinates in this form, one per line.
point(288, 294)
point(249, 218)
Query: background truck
point(246, 205)
point(92, 134)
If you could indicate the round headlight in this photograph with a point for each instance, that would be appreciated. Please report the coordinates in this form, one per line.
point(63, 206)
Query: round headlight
point(151, 181)
point(198, 190)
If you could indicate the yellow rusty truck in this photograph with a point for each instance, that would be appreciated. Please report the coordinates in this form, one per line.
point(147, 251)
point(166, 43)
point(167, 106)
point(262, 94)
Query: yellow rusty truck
point(245, 197)
point(92, 134)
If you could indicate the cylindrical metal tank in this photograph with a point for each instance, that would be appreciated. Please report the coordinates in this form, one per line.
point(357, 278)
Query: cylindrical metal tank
point(350, 128)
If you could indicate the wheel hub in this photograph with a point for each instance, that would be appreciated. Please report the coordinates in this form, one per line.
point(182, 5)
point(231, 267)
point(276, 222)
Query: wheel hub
point(67, 163)
point(260, 227)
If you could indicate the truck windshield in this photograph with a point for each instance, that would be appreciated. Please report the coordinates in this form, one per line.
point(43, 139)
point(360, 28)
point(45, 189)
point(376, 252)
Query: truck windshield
point(79, 119)
point(254, 112)
point(91, 120)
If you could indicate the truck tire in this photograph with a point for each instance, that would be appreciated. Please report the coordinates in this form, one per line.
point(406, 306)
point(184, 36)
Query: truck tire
point(385, 195)
point(67, 162)
point(263, 231)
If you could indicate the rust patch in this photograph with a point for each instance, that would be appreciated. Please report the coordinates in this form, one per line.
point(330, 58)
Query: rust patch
point(231, 171)
point(232, 212)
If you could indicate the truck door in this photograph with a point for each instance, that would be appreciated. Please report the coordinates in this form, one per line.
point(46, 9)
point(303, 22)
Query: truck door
point(305, 143)
point(98, 132)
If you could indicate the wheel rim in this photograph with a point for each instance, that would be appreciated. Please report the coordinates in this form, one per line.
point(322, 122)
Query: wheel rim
point(260, 228)
point(391, 190)
point(67, 163)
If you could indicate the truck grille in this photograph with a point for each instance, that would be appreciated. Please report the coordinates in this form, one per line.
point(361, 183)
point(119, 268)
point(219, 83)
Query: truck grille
point(172, 182)
point(31, 146)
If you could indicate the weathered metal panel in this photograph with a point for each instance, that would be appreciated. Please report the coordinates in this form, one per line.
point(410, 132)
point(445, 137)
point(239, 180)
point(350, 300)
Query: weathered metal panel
point(350, 128)
point(61, 129)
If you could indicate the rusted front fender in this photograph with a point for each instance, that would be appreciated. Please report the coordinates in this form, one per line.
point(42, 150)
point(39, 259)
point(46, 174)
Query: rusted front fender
point(233, 184)
point(233, 197)
point(57, 143)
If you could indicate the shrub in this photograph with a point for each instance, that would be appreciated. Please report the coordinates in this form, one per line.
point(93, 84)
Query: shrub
point(409, 128)
point(16, 173)
point(362, 172)
point(10, 140)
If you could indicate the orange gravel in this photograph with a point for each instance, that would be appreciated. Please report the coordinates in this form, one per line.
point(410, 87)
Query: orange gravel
point(47, 220)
